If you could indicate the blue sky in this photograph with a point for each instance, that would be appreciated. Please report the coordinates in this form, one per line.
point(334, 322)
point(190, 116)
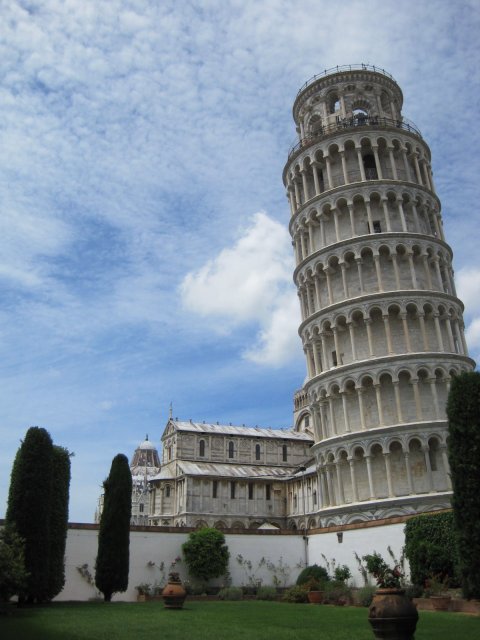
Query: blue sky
point(145, 257)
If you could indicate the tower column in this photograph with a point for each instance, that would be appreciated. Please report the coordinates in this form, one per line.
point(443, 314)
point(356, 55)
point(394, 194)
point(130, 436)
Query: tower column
point(368, 460)
point(351, 462)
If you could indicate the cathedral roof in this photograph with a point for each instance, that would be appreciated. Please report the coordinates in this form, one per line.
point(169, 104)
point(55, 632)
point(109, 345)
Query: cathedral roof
point(231, 430)
point(224, 470)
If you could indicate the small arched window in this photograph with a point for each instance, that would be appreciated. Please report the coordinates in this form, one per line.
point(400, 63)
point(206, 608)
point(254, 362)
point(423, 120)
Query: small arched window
point(370, 166)
point(201, 447)
point(284, 453)
point(167, 491)
point(257, 452)
point(333, 103)
point(230, 450)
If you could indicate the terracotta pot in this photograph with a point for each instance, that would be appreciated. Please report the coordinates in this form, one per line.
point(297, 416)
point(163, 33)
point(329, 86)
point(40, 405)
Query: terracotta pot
point(440, 603)
point(315, 597)
point(174, 595)
point(392, 615)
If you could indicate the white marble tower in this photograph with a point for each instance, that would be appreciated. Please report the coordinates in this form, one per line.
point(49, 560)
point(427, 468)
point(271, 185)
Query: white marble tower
point(382, 327)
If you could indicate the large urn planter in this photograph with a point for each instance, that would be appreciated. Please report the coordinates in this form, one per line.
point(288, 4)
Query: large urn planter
point(174, 594)
point(392, 615)
point(315, 597)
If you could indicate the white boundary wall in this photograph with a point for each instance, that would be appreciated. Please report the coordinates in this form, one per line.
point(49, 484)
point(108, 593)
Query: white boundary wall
point(148, 548)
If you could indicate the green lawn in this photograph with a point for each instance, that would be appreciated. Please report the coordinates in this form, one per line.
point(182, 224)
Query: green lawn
point(248, 620)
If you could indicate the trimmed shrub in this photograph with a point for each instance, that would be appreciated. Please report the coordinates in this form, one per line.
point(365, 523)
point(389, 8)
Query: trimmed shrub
point(112, 565)
point(430, 544)
point(58, 519)
point(230, 593)
point(28, 511)
point(266, 593)
point(463, 411)
point(298, 593)
point(314, 571)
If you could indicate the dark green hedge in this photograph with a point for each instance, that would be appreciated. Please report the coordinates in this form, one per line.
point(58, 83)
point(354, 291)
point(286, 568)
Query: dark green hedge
point(430, 547)
point(313, 571)
point(463, 411)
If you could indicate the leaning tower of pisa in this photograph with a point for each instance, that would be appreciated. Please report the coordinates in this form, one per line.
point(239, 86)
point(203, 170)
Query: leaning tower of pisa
point(382, 326)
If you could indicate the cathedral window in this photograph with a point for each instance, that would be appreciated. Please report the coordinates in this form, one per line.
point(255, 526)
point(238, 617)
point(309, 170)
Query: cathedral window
point(214, 488)
point(307, 421)
point(257, 452)
point(230, 450)
point(140, 508)
point(284, 453)
point(250, 491)
point(314, 498)
point(167, 491)
point(268, 492)
point(232, 490)
point(201, 447)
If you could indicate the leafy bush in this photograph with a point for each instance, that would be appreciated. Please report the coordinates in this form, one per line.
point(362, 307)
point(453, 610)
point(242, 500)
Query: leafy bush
point(413, 591)
point(313, 571)
point(298, 593)
point(342, 573)
point(206, 553)
point(336, 591)
point(13, 576)
point(364, 595)
point(430, 547)
point(266, 593)
point(230, 593)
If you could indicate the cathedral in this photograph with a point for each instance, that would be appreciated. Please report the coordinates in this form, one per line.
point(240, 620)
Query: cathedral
point(382, 332)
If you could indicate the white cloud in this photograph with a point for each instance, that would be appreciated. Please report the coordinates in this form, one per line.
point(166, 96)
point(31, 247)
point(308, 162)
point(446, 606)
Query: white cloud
point(468, 290)
point(251, 282)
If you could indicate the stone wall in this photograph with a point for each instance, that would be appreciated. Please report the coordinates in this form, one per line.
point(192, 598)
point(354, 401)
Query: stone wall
point(287, 550)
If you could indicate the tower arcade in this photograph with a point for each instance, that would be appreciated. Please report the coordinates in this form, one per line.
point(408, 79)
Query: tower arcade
point(382, 327)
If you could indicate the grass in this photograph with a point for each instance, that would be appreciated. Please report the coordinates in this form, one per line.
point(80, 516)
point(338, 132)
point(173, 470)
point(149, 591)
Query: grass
point(247, 620)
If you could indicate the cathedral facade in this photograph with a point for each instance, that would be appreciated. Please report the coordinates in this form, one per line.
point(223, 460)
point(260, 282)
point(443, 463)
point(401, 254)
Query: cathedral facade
point(382, 331)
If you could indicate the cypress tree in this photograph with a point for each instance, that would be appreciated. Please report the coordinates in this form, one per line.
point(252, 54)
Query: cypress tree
point(28, 510)
point(59, 519)
point(112, 564)
point(463, 411)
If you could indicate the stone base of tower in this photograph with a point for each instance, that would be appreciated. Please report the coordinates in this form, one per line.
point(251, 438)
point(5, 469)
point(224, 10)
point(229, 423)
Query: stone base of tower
point(382, 509)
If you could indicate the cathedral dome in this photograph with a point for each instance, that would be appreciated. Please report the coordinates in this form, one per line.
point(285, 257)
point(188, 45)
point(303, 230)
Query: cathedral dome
point(145, 457)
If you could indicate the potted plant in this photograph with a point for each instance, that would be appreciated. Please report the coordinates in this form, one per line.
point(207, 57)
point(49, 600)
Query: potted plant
point(174, 594)
point(392, 614)
point(314, 591)
point(436, 589)
point(143, 591)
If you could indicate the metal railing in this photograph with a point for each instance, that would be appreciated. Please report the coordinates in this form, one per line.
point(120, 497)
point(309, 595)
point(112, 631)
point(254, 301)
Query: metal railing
point(350, 123)
point(345, 67)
